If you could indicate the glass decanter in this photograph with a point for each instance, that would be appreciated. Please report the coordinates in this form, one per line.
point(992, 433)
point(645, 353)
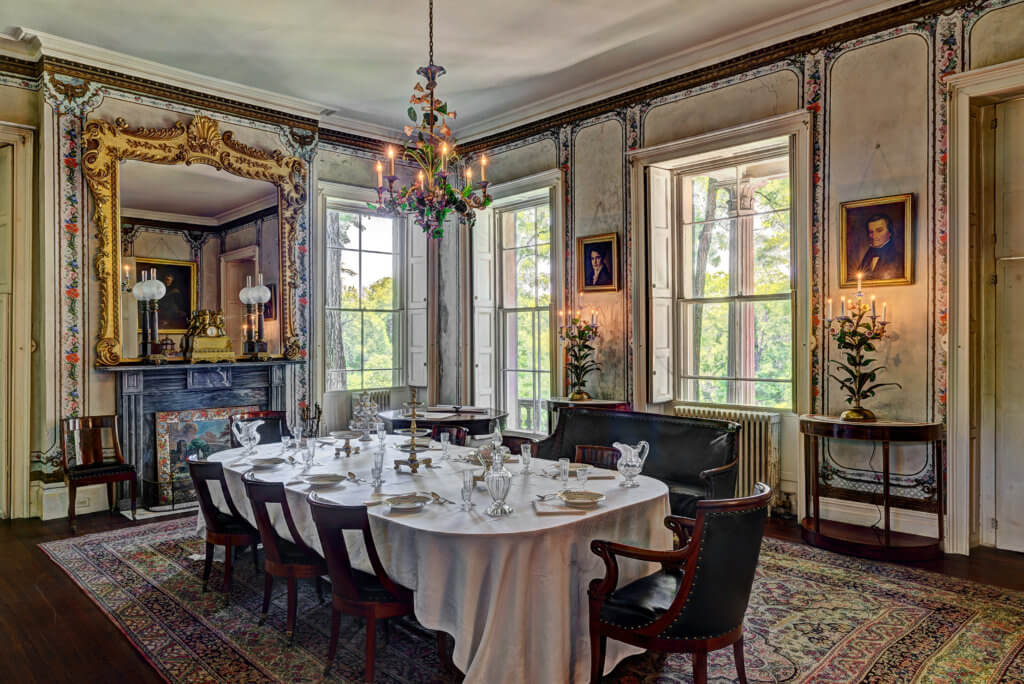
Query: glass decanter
point(631, 462)
point(247, 433)
point(498, 480)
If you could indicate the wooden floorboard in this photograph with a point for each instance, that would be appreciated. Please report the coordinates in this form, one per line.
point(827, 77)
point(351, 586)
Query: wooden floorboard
point(52, 632)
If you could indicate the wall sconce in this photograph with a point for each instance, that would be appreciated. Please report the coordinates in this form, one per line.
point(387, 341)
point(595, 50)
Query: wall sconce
point(149, 291)
point(126, 279)
point(254, 297)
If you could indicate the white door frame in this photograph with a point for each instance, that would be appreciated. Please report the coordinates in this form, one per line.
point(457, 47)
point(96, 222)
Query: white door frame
point(979, 86)
point(16, 462)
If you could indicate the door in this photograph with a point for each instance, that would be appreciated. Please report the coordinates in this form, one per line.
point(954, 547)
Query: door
point(1009, 326)
point(6, 358)
point(234, 267)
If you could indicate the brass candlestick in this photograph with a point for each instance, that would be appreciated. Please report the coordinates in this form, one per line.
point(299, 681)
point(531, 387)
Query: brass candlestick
point(411, 446)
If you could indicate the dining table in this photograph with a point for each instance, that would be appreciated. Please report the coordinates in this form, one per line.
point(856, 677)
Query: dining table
point(512, 590)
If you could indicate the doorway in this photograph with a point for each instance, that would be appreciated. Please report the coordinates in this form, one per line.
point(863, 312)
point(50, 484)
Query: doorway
point(234, 267)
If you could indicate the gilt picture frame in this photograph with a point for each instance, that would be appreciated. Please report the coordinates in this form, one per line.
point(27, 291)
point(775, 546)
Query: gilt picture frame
point(876, 241)
point(597, 263)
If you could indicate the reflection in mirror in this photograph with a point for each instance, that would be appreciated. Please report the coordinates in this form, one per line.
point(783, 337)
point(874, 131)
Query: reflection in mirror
point(201, 232)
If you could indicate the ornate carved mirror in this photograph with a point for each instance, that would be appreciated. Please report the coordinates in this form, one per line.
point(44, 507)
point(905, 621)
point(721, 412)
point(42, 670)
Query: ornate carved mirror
point(112, 149)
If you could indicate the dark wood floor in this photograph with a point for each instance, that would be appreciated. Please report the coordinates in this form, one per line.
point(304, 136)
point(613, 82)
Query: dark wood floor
point(52, 632)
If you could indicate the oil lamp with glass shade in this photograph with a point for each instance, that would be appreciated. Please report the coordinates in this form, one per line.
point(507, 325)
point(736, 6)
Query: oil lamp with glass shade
point(149, 291)
point(254, 297)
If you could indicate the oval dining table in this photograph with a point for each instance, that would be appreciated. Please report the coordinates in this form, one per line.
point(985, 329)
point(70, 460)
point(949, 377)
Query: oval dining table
point(512, 591)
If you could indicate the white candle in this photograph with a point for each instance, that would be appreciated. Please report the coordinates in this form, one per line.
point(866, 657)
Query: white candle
point(444, 157)
point(483, 168)
point(828, 315)
point(884, 305)
point(391, 159)
point(873, 312)
point(860, 282)
point(842, 306)
point(380, 175)
point(469, 176)
point(593, 317)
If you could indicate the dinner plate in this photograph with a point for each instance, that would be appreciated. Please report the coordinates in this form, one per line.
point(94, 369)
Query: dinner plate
point(408, 431)
point(407, 502)
point(325, 480)
point(580, 498)
point(267, 462)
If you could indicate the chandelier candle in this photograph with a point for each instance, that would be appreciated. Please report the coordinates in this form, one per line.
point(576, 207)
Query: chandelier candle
point(432, 199)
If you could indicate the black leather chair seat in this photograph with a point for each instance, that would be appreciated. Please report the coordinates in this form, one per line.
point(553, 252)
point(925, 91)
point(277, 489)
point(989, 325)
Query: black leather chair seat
point(643, 601)
point(370, 588)
point(296, 555)
point(229, 524)
point(105, 470)
point(683, 498)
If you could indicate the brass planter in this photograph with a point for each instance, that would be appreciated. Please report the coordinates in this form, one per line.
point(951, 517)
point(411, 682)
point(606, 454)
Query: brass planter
point(579, 395)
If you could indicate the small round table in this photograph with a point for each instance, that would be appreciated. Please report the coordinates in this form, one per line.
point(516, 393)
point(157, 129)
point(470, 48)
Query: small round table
point(858, 539)
point(479, 421)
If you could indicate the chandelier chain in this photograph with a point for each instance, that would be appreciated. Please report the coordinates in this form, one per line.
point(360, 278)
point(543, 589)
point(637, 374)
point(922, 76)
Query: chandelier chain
point(431, 24)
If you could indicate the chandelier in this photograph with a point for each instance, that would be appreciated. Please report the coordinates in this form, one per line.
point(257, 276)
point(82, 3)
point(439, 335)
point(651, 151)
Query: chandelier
point(431, 199)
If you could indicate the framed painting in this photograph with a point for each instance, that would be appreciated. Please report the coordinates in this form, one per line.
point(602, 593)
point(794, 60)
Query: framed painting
point(876, 241)
point(597, 263)
point(181, 434)
point(179, 277)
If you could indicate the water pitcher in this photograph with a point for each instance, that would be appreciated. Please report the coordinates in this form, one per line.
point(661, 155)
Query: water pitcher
point(631, 462)
point(247, 434)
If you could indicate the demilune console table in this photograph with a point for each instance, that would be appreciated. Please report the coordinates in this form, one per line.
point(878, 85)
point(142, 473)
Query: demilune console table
point(859, 540)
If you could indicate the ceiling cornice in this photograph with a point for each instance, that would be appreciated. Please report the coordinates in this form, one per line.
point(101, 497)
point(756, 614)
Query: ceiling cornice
point(817, 40)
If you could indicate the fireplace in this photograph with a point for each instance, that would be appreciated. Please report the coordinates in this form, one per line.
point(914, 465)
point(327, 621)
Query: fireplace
point(143, 391)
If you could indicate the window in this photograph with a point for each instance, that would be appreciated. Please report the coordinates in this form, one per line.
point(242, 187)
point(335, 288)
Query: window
point(734, 293)
point(362, 310)
point(525, 314)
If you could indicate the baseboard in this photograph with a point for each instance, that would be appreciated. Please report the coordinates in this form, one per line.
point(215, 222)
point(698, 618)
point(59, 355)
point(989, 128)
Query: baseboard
point(858, 513)
point(53, 500)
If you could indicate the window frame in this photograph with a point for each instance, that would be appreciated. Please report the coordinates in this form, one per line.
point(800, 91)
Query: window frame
point(683, 276)
point(353, 199)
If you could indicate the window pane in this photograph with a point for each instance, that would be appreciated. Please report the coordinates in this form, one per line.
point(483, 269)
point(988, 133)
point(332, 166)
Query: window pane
point(342, 229)
point(773, 339)
point(378, 234)
point(544, 275)
point(353, 381)
point(378, 340)
point(508, 229)
point(773, 194)
point(771, 253)
point(773, 394)
point(526, 277)
point(344, 332)
point(335, 380)
point(710, 261)
point(543, 224)
point(544, 340)
point(526, 227)
point(332, 293)
point(711, 338)
point(712, 391)
point(378, 281)
point(377, 379)
point(348, 271)
point(525, 340)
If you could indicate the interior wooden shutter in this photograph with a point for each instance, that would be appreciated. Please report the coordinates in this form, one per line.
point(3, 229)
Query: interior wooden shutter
point(416, 313)
point(660, 265)
point(484, 310)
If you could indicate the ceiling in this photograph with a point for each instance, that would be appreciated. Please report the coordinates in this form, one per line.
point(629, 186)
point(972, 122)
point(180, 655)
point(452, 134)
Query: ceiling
point(197, 194)
point(508, 62)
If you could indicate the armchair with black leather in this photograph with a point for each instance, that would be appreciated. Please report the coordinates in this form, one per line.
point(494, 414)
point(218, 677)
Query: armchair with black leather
point(696, 458)
point(697, 601)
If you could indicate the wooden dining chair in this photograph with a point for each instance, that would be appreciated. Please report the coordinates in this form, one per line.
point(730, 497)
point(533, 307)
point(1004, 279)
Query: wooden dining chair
point(291, 560)
point(373, 597)
point(230, 530)
point(598, 456)
point(275, 425)
point(456, 435)
point(87, 460)
point(696, 602)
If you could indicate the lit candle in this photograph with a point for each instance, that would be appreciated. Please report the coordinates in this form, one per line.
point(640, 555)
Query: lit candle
point(593, 317)
point(421, 180)
point(873, 313)
point(469, 176)
point(483, 168)
point(444, 157)
point(884, 319)
point(391, 159)
point(829, 309)
point(842, 306)
point(380, 175)
point(860, 281)
point(127, 273)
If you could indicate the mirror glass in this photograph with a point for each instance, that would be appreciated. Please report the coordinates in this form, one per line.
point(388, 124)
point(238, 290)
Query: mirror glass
point(202, 232)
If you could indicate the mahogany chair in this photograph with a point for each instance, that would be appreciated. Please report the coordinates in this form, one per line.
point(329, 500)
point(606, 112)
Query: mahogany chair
point(275, 425)
point(373, 597)
point(230, 530)
point(291, 560)
point(515, 443)
point(598, 456)
point(456, 435)
point(696, 602)
point(82, 438)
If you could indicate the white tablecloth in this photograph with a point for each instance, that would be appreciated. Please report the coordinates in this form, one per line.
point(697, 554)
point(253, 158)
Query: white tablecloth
point(512, 591)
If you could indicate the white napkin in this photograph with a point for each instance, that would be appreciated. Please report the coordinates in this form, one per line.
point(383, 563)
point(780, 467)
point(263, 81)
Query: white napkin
point(545, 508)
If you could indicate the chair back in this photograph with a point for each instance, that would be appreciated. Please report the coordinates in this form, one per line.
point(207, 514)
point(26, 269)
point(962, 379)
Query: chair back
point(331, 521)
point(275, 425)
point(599, 456)
point(456, 435)
point(260, 494)
point(719, 572)
point(83, 439)
point(204, 474)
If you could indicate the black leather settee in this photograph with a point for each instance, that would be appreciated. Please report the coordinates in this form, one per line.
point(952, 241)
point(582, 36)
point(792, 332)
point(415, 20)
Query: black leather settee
point(696, 458)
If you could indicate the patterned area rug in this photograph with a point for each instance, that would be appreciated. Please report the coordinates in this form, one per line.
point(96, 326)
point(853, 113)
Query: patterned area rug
point(814, 616)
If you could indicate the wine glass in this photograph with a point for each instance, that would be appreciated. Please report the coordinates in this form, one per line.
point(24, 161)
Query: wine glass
point(467, 489)
point(381, 434)
point(563, 472)
point(446, 439)
point(582, 473)
point(377, 471)
point(526, 455)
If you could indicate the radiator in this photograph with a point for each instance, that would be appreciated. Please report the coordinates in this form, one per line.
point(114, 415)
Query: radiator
point(758, 445)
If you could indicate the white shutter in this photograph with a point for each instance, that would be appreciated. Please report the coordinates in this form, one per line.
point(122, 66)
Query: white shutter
point(659, 259)
point(416, 314)
point(484, 312)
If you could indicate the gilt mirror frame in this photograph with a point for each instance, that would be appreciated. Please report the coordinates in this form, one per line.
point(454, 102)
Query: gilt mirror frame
point(198, 142)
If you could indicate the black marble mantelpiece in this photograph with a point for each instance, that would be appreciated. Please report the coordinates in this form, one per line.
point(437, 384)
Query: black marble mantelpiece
point(143, 390)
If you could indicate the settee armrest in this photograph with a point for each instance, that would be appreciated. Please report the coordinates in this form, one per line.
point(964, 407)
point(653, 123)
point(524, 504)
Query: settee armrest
point(720, 482)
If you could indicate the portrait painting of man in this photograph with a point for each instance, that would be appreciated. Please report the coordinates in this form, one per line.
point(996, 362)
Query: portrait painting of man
point(597, 259)
point(876, 241)
point(177, 304)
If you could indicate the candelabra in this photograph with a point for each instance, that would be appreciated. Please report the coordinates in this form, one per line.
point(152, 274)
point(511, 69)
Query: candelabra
point(412, 462)
point(577, 335)
point(149, 291)
point(856, 332)
point(254, 297)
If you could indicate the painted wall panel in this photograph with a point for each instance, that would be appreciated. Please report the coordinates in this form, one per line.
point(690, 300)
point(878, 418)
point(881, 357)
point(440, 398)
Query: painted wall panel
point(998, 37)
point(522, 161)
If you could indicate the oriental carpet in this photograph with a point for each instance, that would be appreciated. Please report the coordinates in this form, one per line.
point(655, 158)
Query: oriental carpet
point(814, 616)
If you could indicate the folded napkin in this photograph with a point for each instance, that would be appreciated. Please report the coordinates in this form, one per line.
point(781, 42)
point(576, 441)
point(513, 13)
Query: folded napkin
point(601, 477)
point(545, 508)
